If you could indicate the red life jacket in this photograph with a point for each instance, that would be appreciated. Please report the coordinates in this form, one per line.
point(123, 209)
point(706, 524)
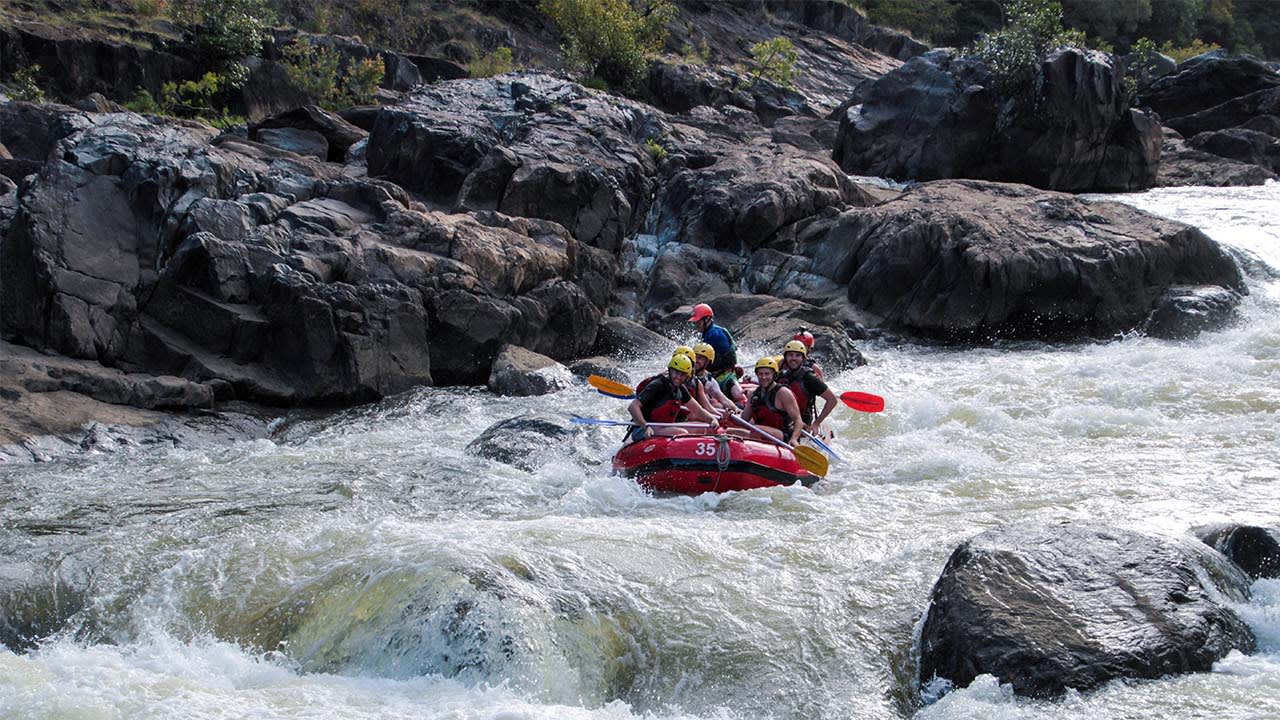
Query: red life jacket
point(795, 383)
point(670, 404)
point(765, 411)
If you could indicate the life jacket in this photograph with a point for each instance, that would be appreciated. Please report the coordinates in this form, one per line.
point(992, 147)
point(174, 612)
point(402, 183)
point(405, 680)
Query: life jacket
point(765, 411)
point(795, 383)
point(814, 366)
point(670, 405)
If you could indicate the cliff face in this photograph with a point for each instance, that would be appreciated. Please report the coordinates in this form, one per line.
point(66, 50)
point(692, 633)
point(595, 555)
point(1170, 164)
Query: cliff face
point(318, 259)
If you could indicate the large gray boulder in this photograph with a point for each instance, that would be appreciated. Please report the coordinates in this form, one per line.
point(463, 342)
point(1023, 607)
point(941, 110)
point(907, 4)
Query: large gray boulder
point(520, 372)
point(940, 116)
point(1182, 165)
point(966, 259)
point(147, 244)
point(1046, 609)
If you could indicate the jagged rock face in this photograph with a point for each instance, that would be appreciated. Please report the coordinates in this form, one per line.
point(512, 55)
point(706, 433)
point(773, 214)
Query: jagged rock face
point(1247, 146)
point(1182, 165)
point(1205, 82)
point(966, 259)
point(150, 245)
point(938, 117)
point(525, 145)
point(1050, 608)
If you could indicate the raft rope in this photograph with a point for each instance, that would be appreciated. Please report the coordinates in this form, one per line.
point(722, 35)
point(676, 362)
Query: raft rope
point(723, 456)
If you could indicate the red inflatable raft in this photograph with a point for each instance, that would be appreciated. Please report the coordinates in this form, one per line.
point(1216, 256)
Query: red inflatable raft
point(695, 464)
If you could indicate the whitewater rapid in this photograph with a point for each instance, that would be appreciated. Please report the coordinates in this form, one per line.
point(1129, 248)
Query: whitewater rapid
point(365, 565)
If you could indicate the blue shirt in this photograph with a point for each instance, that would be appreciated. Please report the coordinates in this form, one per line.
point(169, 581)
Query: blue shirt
point(722, 342)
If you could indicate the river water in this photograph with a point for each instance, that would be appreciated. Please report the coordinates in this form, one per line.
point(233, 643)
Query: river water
point(365, 566)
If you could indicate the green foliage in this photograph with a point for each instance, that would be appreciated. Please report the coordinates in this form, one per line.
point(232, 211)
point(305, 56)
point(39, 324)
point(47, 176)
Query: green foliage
point(200, 99)
point(25, 87)
point(656, 151)
point(699, 54)
point(595, 83)
point(926, 19)
point(1014, 53)
point(1188, 51)
point(610, 39)
point(316, 70)
point(225, 29)
point(774, 60)
point(1110, 21)
point(144, 103)
point(495, 63)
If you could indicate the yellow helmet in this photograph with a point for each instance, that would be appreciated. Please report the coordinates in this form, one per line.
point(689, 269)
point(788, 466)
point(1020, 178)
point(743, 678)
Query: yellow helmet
point(681, 363)
point(704, 350)
point(767, 362)
point(684, 350)
point(795, 346)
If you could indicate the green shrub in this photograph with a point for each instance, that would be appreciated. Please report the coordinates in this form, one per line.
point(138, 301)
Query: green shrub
point(610, 39)
point(144, 103)
point(595, 83)
point(224, 29)
point(697, 55)
point(1186, 52)
point(150, 8)
point(25, 87)
point(656, 151)
point(1014, 53)
point(926, 19)
point(314, 69)
point(774, 60)
point(495, 63)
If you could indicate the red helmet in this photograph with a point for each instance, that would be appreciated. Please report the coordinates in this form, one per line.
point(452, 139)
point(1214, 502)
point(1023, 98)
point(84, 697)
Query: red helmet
point(805, 337)
point(701, 310)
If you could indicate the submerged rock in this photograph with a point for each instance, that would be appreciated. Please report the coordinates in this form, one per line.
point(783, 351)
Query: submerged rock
point(1045, 609)
point(523, 441)
point(1255, 550)
point(1184, 312)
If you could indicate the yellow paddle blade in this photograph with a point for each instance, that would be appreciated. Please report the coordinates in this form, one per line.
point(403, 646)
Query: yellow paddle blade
point(610, 387)
point(812, 460)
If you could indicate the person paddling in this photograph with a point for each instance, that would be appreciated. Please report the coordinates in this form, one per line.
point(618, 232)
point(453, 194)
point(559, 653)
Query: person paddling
point(806, 386)
point(772, 407)
point(722, 368)
point(665, 399)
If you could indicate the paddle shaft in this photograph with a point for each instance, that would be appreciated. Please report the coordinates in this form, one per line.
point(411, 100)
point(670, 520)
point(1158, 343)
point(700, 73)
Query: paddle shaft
point(620, 423)
point(823, 446)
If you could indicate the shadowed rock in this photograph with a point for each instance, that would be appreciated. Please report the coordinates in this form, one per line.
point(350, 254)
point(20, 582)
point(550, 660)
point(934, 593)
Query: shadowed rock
point(939, 116)
point(517, 371)
point(523, 441)
point(977, 260)
point(1255, 550)
point(1075, 606)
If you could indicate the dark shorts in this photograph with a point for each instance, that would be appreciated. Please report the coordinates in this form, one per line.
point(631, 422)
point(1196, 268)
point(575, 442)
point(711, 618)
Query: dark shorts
point(635, 435)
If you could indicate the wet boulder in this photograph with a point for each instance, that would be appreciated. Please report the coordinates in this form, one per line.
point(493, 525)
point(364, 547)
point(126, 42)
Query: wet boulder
point(521, 372)
point(621, 337)
point(1255, 550)
point(767, 323)
point(603, 366)
point(523, 441)
point(965, 259)
point(940, 116)
point(1046, 609)
point(1184, 312)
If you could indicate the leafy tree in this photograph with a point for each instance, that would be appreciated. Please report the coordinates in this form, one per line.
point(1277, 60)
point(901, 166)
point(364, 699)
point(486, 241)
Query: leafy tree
point(226, 30)
point(610, 39)
point(495, 63)
point(315, 69)
point(1014, 53)
point(774, 60)
point(1114, 21)
point(25, 87)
